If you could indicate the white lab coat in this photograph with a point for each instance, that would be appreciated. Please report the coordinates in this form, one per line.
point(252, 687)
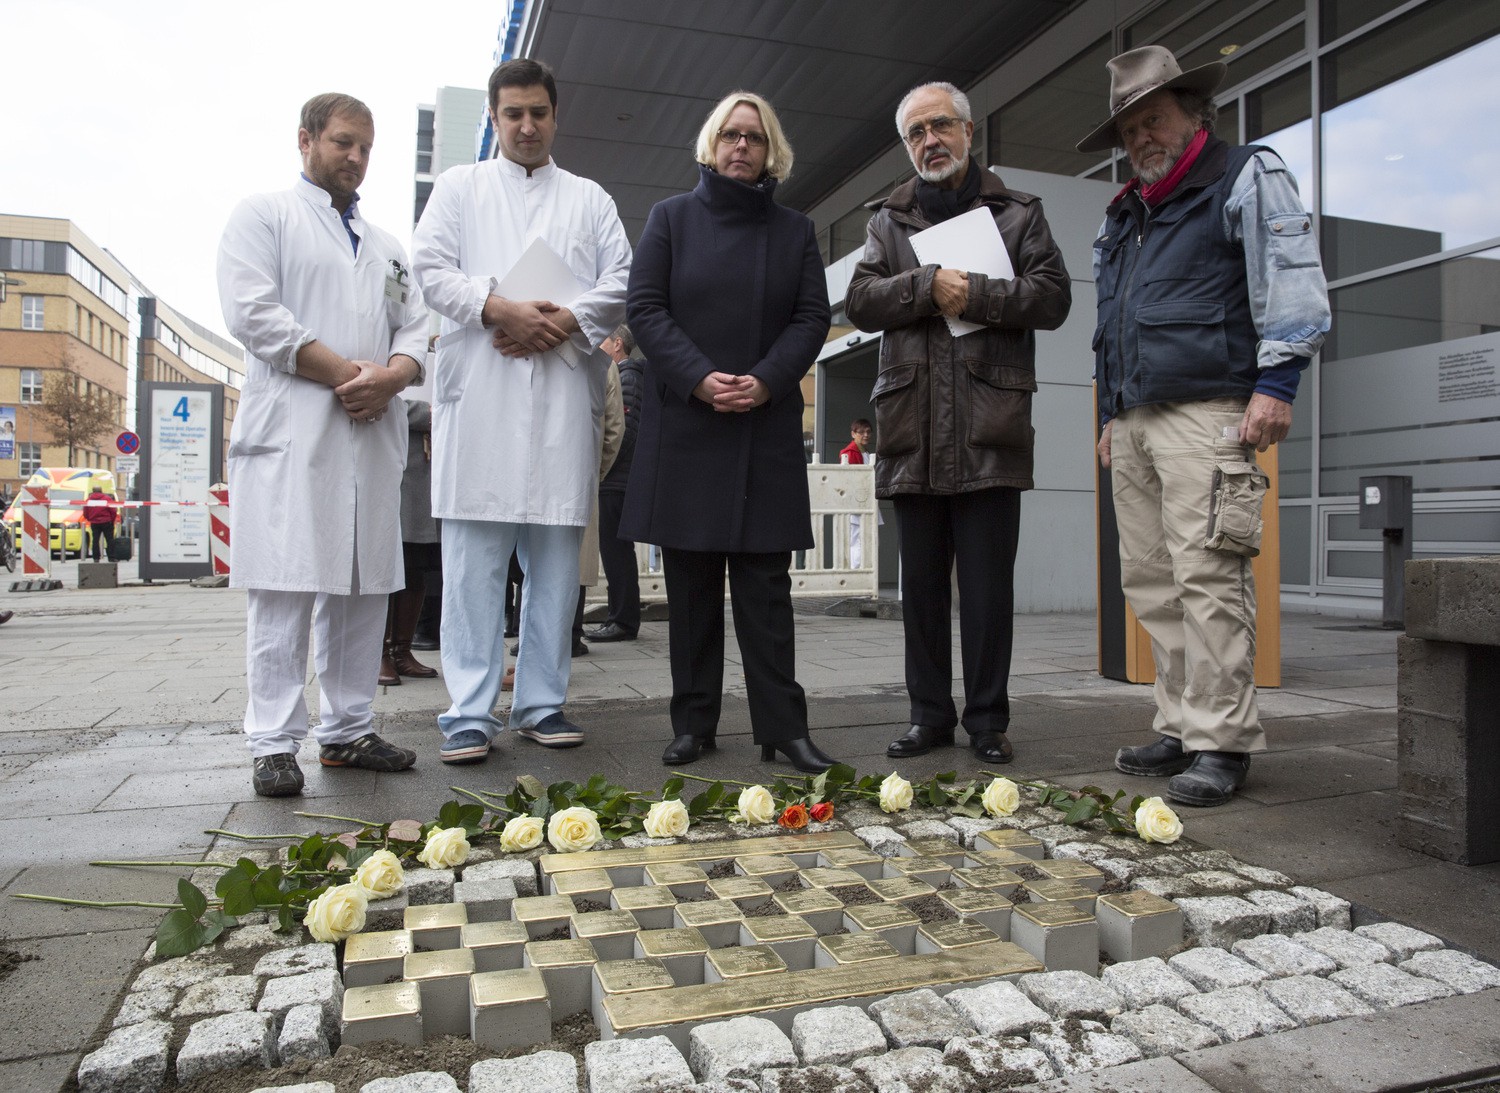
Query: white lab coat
point(307, 484)
point(516, 439)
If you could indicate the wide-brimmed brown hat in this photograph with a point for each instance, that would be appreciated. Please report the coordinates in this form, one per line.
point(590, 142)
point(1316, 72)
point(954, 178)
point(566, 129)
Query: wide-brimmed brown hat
point(1137, 73)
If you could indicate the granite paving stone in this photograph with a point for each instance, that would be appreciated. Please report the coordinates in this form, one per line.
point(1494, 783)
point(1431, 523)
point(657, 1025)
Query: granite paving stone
point(969, 827)
point(245, 938)
point(539, 1072)
point(927, 829)
point(1261, 876)
point(824, 1078)
point(486, 900)
point(1052, 835)
point(1309, 1000)
point(131, 1060)
point(1158, 1030)
point(1166, 887)
point(1075, 1046)
point(227, 995)
point(727, 1085)
point(521, 873)
point(1289, 914)
point(1235, 1014)
point(1148, 982)
point(1218, 881)
point(1404, 942)
point(998, 1064)
point(302, 1087)
point(1461, 972)
point(226, 1042)
point(1332, 911)
point(1212, 859)
point(1067, 994)
point(738, 1048)
point(302, 1035)
point(628, 1066)
point(1211, 969)
point(1089, 852)
point(836, 1035)
point(1221, 920)
point(1386, 987)
point(1282, 956)
point(321, 988)
point(912, 1070)
point(419, 1081)
point(1347, 949)
point(141, 1006)
point(1123, 870)
point(998, 1009)
point(303, 958)
point(885, 841)
point(424, 886)
point(179, 972)
point(388, 913)
point(919, 1019)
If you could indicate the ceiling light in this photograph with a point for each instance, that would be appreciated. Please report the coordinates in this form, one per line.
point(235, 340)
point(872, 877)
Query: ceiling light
point(1225, 51)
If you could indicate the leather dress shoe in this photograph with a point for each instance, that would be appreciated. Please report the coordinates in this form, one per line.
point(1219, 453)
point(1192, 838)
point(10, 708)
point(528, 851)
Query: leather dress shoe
point(992, 747)
point(425, 643)
point(801, 752)
point(610, 631)
point(579, 648)
point(1161, 757)
point(1211, 779)
point(919, 740)
point(686, 748)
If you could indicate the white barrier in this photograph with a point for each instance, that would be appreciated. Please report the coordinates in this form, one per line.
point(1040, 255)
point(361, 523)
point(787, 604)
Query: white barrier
point(36, 532)
point(218, 528)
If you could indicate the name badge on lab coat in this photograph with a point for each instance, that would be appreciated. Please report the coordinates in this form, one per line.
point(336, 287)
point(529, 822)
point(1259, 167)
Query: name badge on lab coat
point(395, 291)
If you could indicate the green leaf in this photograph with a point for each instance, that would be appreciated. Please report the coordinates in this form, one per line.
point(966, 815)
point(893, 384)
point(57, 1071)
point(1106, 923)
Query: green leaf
point(1083, 810)
point(193, 901)
point(698, 806)
point(948, 777)
point(286, 918)
point(214, 924)
point(558, 798)
point(179, 934)
point(970, 808)
point(672, 787)
point(404, 831)
point(448, 815)
point(236, 889)
point(1136, 802)
point(531, 786)
point(840, 774)
point(714, 793)
point(360, 856)
point(266, 889)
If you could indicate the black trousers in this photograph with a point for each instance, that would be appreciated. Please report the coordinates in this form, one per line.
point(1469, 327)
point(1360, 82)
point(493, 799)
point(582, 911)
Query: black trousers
point(618, 558)
point(761, 594)
point(102, 535)
point(979, 531)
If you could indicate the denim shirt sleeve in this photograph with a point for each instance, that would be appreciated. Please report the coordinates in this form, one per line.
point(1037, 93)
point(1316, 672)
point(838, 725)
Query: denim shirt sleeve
point(1288, 292)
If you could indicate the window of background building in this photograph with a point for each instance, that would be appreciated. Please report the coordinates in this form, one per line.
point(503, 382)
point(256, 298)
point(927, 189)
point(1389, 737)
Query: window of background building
point(1250, 38)
point(1339, 17)
point(1279, 115)
point(1409, 151)
point(31, 385)
point(424, 141)
point(30, 455)
point(32, 312)
point(1037, 130)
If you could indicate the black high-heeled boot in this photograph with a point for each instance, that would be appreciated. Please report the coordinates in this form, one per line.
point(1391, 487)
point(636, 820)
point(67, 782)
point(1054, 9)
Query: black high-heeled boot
point(686, 748)
point(802, 753)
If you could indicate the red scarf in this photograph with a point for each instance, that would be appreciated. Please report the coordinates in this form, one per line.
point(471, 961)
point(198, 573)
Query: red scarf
point(1154, 194)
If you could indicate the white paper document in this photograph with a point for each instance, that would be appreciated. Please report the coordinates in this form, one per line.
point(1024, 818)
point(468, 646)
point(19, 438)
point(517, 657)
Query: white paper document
point(541, 274)
point(968, 242)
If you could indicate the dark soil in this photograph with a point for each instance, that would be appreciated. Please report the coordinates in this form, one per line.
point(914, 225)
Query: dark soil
point(722, 870)
point(929, 909)
point(854, 895)
point(10, 960)
point(588, 906)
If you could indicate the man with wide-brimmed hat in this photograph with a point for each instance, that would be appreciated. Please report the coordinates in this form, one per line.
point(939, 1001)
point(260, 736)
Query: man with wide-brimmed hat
point(1211, 302)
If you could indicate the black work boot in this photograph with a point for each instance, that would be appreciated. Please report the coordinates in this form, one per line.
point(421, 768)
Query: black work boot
point(1211, 779)
point(1161, 757)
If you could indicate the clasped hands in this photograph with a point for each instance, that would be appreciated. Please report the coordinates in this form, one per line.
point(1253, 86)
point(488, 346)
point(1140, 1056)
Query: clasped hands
point(730, 394)
point(366, 396)
point(523, 327)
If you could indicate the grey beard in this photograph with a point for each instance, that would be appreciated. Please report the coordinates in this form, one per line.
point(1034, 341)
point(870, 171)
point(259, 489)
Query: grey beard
point(955, 165)
point(1156, 174)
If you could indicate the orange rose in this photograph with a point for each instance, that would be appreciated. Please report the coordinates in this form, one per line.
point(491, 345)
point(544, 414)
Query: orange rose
point(794, 818)
point(822, 812)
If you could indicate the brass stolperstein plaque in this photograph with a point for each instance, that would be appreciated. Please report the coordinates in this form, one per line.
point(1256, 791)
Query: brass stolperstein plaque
point(1138, 904)
point(698, 852)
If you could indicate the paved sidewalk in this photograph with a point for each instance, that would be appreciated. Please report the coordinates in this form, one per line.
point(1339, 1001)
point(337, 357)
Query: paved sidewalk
point(120, 740)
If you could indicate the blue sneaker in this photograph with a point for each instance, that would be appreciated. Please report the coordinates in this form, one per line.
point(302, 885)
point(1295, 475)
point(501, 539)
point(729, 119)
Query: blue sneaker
point(468, 746)
point(554, 731)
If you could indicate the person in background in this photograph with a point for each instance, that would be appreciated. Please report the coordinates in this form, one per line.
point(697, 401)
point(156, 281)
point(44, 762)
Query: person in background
point(853, 453)
point(618, 555)
point(421, 550)
point(100, 511)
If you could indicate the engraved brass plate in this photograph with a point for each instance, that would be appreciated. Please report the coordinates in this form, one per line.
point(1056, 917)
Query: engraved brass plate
point(381, 1001)
point(582, 882)
point(745, 960)
point(934, 846)
point(880, 916)
point(1007, 838)
point(709, 851)
point(765, 865)
point(901, 889)
point(751, 890)
point(856, 948)
point(827, 877)
point(971, 901)
point(507, 987)
point(623, 976)
point(436, 916)
point(957, 935)
point(808, 901)
point(1067, 869)
point(709, 912)
point(764, 929)
point(1061, 891)
point(1006, 859)
point(987, 876)
point(1136, 904)
point(542, 908)
point(1053, 914)
point(559, 954)
point(443, 964)
point(379, 945)
point(679, 941)
point(604, 924)
point(482, 935)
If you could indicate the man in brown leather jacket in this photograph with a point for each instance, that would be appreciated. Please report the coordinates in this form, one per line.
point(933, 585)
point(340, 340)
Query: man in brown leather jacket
point(954, 415)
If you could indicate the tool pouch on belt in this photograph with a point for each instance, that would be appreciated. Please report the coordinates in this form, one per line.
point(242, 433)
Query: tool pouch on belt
point(1234, 522)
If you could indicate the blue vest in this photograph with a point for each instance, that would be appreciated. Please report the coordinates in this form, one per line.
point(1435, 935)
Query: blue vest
point(1174, 306)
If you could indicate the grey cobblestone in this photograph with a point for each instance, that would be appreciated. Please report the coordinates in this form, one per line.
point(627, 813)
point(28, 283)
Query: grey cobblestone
point(230, 994)
point(835, 1035)
point(302, 1035)
point(1218, 882)
point(226, 1042)
point(1309, 1000)
point(919, 1019)
point(1148, 982)
point(1332, 911)
point(1165, 864)
point(1212, 859)
point(131, 1060)
point(178, 973)
point(1344, 948)
point(1289, 914)
point(1222, 920)
point(321, 988)
point(305, 1087)
point(729, 1085)
point(1235, 1014)
point(813, 1079)
point(912, 1070)
point(1211, 969)
point(1403, 941)
point(882, 840)
point(1123, 870)
point(1092, 853)
point(1165, 887)
point(998, 1009)
point(738, 1048)
point(1087, 1047)
point(144, 1005)
point(1282, 956)
point(304, 958)
point(486, 900)
point(539, 1072)
point(244, 938)
point(969, 827)
point(927, 829)
point(997, 1064)
point(388, 913)
point(419, 1081)
point(519, 871)
point(424, 886)
point(1386, 987)
point(628, 1066)
point(1052, 835)
point(1261, 876)
point(1158, 1030)
point(1071, 994)
point(1459, 971)
point(635, 842)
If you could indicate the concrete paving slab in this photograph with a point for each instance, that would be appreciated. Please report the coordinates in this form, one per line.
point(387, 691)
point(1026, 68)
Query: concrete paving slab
point(45, 1072)
point(40, 1019)
point(1163, 1075)
point(1313, 773)
point(152, 833)
point(1439, 897)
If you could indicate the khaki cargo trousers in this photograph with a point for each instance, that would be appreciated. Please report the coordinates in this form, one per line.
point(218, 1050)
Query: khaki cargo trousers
point(1197, 603)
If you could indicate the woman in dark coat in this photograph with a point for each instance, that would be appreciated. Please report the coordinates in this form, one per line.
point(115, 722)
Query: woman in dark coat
point(729, 305)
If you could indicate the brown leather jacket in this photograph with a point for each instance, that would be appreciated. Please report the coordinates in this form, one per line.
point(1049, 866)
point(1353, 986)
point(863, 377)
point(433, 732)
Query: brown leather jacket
point(954, 415)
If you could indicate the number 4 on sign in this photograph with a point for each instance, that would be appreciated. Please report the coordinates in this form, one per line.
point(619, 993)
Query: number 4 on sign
point(181, 409)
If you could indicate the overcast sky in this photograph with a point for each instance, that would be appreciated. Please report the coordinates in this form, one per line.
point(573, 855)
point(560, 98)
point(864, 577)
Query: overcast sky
point(144, 123)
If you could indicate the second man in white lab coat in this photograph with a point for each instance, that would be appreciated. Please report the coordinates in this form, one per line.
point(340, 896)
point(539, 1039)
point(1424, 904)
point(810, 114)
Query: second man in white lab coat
point(518, 387)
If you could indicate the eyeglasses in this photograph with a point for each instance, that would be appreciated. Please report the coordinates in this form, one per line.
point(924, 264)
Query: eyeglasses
point(734, 136)
point(940, 127)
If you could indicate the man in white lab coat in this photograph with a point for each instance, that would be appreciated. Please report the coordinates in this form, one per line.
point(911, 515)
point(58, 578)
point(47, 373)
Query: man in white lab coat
point(333, 329)
point(518, 390)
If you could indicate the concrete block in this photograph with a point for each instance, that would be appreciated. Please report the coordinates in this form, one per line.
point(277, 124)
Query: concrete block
point(435, 926)
point(635, 1066)
point(1347, 950)
point(226, 1042)
point(443, 978)
point(320, 988)
point(539, 1072)
point(994, 1064)
point(179, 973)
point(884, 841)
point(424, 886)
point(230, 994)
point(1386, 987)
point(1135, 925)
point(1235, 1014)
point(1158, 1030)
point(1074, 994)
point(383, 1011)
point(1454, 599)
point(486, 900)
point(1222, 920)
point(98, 575)
point(509, 1009)
point(420, 1081)
point(1148, 982)
point(835, 1035)
point(1057, 934)
point(919, 1019)
point(912, 1070)
point(997, 1009)
point(145, 1006)
point(1403, 941)
point(131, 1060)
point(1281, 956)
point(1461, 972)
point(738, 1048)
point(1309, 1000)
point(295, 961)
point(1073, 1047)
point(1289, 914)
point(1332, 911)
point(302, 1035)
point(1211, 969)
point(812, 1079)
point(521, 873)
point(376, 957)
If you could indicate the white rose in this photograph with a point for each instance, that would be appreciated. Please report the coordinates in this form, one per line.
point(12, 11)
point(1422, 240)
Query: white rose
point(445, 848)
point(521, 833)
point(756, 806)
point(1001, 797)
point(895, 793)
point(337, 913)
point(380, 875)
point(667, 820)
point(573, 829)
point(1155, 822)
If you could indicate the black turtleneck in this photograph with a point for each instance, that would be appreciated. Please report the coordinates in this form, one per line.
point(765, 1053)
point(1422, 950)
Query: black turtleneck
point(938, 204)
